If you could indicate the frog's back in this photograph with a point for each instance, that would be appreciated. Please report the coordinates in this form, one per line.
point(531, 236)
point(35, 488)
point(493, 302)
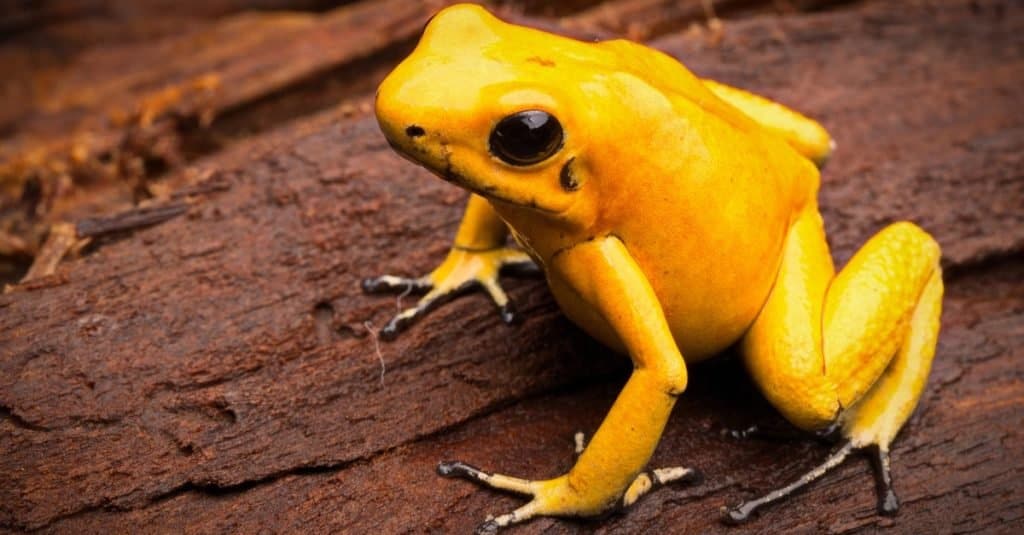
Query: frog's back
point(701, 195)
point(671, 77)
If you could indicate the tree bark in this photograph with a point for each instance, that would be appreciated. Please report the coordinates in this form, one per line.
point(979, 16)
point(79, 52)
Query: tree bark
point(217, 371)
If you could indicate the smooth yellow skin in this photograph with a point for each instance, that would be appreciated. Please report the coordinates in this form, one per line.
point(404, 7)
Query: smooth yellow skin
point(695, 226)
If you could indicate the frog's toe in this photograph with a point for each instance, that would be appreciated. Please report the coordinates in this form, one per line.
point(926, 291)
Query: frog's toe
point(534, 489)
point(401, 322)
point(393, 284)
point(888, 503)
point(461, 272)
point(459, 469)
point(579, 439)
point(488, 527)
point(509, 314)
point(549, 498)
point(438, 295)
point(506, 309)
point(745, 510)
point(407, 317)
point(493, 524)
point(650, 480)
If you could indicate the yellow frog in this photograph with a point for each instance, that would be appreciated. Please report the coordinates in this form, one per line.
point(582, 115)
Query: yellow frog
point(672, 217)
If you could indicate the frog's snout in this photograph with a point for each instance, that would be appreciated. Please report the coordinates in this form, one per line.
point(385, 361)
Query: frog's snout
point(406, 145)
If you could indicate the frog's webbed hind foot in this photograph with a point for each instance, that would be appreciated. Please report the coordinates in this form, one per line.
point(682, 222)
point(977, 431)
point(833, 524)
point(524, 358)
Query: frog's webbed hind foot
point(463, 270)
point(888, 503)
point(745, 510)
point(549, 497)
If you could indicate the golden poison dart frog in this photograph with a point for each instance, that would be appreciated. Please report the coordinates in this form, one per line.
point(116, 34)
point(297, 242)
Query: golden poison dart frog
point(672, 217)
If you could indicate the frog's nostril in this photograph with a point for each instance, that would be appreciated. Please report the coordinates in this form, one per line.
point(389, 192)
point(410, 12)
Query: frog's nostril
point(414, 131)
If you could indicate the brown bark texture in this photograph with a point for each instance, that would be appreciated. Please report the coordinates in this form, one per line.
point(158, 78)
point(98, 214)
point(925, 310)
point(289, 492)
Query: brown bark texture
point(203, 360)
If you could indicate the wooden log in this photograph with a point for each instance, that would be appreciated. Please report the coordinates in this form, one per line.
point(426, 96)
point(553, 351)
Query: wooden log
point(216, 373)
point(119, 116)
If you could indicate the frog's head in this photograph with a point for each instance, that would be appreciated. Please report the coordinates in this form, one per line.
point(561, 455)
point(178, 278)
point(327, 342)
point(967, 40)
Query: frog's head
point(505, 111)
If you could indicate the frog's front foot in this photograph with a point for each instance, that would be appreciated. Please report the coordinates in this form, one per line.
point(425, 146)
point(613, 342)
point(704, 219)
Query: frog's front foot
point(463, 270)
point(558, 497)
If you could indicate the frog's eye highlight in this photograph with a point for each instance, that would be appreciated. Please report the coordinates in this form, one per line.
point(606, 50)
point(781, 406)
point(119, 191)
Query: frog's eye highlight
point(526, 137)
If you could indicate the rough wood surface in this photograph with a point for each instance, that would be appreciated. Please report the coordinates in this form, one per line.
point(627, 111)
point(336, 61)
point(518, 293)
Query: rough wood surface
point(103, 132)
point(215, 373)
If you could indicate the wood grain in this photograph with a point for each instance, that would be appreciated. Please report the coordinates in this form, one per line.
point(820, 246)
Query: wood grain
point(215, 373)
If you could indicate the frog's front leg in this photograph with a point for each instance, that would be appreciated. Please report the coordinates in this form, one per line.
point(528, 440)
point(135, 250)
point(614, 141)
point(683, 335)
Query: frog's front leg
point(609, 471)
point(852, 349)
point(477, 256)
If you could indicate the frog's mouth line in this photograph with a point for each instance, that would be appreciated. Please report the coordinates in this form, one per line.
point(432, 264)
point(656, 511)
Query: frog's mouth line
point(445, 170)
point(448, 174)
point(488, 192)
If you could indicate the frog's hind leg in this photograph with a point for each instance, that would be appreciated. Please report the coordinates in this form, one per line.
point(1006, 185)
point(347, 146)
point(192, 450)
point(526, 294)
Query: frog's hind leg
point(805, 135)
point(853, 348)
point(878, 416)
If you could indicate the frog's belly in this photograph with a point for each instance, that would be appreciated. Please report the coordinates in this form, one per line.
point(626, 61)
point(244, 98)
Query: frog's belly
point(706, 314)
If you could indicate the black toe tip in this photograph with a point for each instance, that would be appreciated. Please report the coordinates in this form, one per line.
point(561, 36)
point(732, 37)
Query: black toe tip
point(888, 504)
point(831, 434)
point(445, 468)
point(489, 527)
point(395, 327)
point(390, 331)
point(736, 515)
point(695, 477)
point(509, 314)
point(369, 285)
point(450, 468)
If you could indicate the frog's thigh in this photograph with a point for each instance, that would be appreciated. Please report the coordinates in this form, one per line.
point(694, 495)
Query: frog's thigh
point(879, 413)
point(869, 311)
point(822, 341)
point(783, 348)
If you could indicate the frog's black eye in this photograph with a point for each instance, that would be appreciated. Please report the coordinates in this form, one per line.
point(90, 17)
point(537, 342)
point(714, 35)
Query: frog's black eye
point(526, 137)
